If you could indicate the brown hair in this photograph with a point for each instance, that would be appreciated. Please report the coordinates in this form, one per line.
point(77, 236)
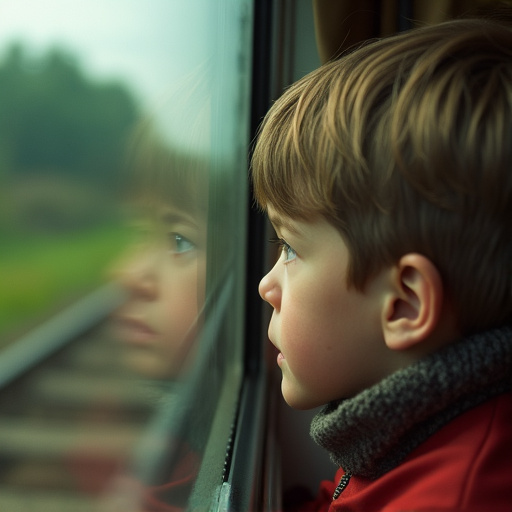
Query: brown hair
point(162, 173)
point(405, 145)
point(170, 164)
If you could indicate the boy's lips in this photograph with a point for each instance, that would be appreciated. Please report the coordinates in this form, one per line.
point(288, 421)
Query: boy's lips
point(133, 331)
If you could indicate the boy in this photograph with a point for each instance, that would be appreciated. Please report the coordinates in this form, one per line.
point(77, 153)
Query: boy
point(164, 274)
point(159, 325)
point(387, 177)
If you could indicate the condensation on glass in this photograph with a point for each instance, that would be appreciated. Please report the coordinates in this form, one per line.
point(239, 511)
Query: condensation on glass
point(123, 165)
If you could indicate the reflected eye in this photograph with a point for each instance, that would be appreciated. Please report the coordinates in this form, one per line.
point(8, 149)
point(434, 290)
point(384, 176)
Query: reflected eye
point(286, 249)
point(180, 244)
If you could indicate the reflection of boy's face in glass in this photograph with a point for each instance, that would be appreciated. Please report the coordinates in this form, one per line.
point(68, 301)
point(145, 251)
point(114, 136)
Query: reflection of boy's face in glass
point(164, 278)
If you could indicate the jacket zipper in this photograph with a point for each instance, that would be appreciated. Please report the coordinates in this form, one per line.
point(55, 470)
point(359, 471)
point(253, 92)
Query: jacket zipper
point(342, 485)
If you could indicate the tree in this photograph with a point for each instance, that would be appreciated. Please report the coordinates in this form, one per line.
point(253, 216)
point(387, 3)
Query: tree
point(55, 119)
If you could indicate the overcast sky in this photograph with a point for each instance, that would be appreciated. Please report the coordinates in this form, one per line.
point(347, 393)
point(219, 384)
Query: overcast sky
point(150, 43)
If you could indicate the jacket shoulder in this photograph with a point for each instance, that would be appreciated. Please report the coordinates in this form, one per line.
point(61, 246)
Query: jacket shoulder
point(465, 466)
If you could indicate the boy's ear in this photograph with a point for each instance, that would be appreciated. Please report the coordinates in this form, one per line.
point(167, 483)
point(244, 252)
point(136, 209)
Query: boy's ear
point(413, 307)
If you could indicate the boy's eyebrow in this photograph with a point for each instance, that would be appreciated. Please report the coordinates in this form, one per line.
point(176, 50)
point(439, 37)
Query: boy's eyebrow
point(280, 222)
point(174, 217)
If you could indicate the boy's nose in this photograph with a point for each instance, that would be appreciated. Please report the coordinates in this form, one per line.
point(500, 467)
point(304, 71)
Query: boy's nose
point(269, 291)
point(138, 276)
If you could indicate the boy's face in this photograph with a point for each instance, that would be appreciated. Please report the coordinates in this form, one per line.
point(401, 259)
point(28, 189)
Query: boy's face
point(164, 278)
point(329, 337)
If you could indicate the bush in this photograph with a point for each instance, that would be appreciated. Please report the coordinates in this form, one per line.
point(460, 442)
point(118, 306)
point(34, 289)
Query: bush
point(49, 204)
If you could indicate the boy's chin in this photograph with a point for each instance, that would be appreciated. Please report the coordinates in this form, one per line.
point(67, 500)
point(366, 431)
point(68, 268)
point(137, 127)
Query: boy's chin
point(297, 400)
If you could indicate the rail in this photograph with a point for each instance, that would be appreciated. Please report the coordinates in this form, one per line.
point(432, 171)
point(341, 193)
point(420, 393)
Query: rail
point(22, 355)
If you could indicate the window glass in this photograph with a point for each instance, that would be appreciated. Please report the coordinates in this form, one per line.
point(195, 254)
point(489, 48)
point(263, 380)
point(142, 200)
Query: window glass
point(123, 169)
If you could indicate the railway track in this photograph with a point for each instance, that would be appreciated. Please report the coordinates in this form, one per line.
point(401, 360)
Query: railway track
point(69, 419)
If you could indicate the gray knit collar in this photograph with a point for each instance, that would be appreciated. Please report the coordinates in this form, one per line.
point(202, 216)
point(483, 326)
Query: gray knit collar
point(373, 432)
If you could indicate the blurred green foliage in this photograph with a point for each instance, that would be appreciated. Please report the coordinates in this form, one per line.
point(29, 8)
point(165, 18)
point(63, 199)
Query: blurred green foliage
point(63, 141)
point(55, 119)
point(41, 273)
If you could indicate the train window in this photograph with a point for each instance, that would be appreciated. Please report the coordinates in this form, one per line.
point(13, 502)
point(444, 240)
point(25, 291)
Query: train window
point(124, 131)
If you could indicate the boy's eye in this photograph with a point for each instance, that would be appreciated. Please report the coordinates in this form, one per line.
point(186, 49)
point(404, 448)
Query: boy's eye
point(289, 253)
point(286, 249)
point(180, 244)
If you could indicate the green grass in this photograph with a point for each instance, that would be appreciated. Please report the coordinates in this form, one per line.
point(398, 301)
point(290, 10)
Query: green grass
point(38, 273)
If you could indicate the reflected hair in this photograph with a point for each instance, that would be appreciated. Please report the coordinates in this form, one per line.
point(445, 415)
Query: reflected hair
point(163, 174)
point(404, 145)
point(169, 160)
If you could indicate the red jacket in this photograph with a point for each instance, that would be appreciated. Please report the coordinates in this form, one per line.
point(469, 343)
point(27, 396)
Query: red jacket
point(465, 466)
